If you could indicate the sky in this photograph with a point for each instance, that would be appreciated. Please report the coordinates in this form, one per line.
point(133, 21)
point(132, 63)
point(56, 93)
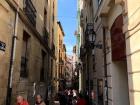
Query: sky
point(67, 12)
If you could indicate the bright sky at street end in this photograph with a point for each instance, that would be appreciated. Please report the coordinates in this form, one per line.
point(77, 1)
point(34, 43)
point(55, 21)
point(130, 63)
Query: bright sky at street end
point(67, 15)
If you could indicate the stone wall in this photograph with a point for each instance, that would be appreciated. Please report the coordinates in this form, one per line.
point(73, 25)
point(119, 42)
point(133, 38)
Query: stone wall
point(6, 32)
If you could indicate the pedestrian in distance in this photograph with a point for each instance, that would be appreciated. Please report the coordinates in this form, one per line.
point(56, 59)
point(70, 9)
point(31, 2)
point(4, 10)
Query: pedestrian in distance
point(74, 93)
point(39, 100)
point(70, 97)
point(21, 101)
point(74, 100)
point(81, 100)
point(62, 99)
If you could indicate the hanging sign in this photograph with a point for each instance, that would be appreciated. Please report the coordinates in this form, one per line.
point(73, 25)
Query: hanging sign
point(2, 46)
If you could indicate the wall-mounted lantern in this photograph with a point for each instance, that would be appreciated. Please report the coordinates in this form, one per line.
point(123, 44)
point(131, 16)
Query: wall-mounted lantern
point(91, 37)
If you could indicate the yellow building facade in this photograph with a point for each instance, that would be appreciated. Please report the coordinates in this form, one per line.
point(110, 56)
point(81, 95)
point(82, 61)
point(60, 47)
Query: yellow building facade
point(61, 55)
point(27, 34)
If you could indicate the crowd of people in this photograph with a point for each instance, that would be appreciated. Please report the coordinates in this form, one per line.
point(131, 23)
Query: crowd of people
point(38, 100)
point(67, 97)
point(72, 97)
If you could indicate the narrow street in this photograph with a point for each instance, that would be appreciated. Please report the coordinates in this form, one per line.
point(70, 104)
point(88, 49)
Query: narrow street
point(69, 52)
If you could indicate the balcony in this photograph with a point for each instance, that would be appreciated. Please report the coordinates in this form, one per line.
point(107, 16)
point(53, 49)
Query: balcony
point(53, 48)
point(30, 11)
point(23, 71)
point(82, 51)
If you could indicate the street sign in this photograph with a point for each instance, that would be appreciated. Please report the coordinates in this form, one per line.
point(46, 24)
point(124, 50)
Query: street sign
point(2, 46)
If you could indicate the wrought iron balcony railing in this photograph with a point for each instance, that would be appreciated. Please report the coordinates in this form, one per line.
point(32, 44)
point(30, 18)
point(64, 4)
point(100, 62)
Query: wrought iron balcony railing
point(45, 35)
point(23, 71)
point(30, 11)
point(82, 51)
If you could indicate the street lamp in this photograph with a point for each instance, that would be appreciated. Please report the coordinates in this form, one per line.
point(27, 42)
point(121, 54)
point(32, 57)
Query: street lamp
point(90, 45)
point(91, 33)
point(91, 37)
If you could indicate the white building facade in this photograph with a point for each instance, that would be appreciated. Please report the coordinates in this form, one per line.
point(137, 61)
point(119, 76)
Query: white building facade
point(116, 65)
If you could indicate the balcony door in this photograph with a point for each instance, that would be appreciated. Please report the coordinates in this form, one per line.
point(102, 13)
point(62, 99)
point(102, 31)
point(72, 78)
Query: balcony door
point(24, 55)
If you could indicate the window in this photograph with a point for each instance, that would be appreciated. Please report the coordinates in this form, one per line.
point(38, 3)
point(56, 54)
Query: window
point(52, 34)
point(87, 84)
point(53, 4)
point(42, 72)
point(90, 3)
point(45, 17)
point(30, 11)
point(24, 57)
point(91, 84)
point(47, 2)
point(53, 17)
point(99, 2)
point(60, 43)
point(51, 68)
point(100, 91)
point(86, 19)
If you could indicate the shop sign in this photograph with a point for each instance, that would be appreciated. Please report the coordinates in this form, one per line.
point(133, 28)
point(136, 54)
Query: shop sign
point(2, 46)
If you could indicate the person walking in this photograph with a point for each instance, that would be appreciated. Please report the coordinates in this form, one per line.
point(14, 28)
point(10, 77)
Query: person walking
point(70, 96)
point(74, 93)
point(81, 100)
point(39, 100)
point(21, 101)
point(74, 100)
point(62, 99)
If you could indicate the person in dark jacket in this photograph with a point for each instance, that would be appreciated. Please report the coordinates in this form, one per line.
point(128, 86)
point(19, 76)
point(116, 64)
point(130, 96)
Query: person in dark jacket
point(62, 99)
point(81, 100)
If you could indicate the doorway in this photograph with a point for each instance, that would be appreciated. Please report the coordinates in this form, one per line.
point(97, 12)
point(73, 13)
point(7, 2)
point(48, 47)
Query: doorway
point(119, 64)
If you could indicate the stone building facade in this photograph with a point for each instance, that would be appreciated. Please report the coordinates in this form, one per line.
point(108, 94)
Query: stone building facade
point(68, 73)
point(86, 54)
point(116, 65)
point(27, 36)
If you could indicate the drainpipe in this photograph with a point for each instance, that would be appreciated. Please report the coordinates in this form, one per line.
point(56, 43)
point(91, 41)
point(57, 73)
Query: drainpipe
point(105, 66)
point(88, 72)
point(12, 59)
